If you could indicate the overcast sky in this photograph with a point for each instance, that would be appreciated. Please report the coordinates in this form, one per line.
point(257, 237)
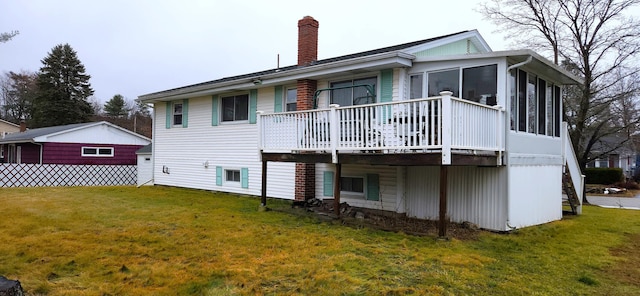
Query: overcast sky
point(135, 47)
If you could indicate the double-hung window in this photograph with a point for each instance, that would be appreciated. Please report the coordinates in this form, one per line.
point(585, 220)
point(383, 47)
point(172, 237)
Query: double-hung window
point(177, 113)
point(354, 92)
point(232, 176)
point(235, 108)
point(352, 185)
point(291, 98)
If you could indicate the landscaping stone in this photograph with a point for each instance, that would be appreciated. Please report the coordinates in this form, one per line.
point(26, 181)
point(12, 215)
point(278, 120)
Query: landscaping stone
point(10, 288)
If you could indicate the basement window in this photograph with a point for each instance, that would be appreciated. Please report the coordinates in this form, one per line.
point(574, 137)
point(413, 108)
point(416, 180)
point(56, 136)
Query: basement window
point(97, 151)
point(352, 185)
point(232, 176)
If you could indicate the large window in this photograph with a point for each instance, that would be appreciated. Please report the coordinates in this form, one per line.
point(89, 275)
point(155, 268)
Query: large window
point(535, 104)
point(177, 113)
point(97, 151)
point(443, 80)
point(354, 92)
point(480, 84)
point(291, 99)
point(235, 108)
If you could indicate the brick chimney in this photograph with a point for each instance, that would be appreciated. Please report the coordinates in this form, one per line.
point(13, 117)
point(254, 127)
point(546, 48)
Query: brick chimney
point(307, 41)
point(305, 181)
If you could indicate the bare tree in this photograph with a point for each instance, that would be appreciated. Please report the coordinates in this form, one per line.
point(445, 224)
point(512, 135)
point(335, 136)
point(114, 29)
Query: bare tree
point(595, 40)
point(6, 36)
point(17, 92)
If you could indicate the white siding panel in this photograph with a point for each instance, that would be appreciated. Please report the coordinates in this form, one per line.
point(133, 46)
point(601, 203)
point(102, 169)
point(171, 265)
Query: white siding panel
point(98, 134)
point(388, 188)
point(185, 151)
point(535, 194)
point(475, 194)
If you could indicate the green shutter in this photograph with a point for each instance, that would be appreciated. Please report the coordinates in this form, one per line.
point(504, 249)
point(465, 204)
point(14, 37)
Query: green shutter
point(169, 112)
point(219, 175)
point(253, 105)
point(277, 99)
point(386, 85)
point(327, 183)
point(214, 110)
point(373, 187)
point(185, 113)
point(244, 177)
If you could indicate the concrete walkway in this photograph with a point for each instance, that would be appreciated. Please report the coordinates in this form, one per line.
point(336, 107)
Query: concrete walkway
point(630, 203)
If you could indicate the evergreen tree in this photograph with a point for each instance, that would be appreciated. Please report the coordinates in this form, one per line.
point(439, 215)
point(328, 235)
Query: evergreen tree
point(116, 107)
point(63, 90)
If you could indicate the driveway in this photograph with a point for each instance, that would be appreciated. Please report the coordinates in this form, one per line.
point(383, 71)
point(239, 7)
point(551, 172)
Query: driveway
point(631, 203)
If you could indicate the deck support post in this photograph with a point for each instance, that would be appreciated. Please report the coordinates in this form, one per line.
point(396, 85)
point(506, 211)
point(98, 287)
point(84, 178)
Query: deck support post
point(442, 215)
point(336, 189)
point(263, 197)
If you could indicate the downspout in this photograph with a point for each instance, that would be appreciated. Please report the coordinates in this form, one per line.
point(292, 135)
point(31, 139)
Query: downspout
point(506, 138)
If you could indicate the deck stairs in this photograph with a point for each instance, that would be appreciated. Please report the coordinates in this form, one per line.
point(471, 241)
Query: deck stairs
point(572, 177)
point(572, 195)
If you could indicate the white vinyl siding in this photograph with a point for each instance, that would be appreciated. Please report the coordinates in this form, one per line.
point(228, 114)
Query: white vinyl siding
point(224, 145)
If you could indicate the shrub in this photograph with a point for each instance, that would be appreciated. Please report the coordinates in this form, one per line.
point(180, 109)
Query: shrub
point(603, 175)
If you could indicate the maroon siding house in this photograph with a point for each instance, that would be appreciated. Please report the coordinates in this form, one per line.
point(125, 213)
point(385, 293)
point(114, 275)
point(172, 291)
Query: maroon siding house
point(83, 143)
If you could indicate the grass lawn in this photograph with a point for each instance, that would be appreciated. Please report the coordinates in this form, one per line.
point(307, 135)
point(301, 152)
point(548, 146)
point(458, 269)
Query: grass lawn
point(171, 241)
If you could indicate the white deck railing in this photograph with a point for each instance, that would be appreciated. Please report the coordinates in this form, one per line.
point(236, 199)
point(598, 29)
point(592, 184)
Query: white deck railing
point(570, 162)
point(432, 124)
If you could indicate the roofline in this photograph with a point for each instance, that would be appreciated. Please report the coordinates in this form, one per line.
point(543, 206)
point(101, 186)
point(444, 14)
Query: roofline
point(10, 123)
point(90, 125)
point(275, 76)
point(504, 53)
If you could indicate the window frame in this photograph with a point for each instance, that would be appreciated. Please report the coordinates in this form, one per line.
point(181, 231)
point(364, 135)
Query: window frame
point(97, 151)
point(232, 171)
point(285, 99)
point(235, 113)
point(354, 193)
point(174, 113)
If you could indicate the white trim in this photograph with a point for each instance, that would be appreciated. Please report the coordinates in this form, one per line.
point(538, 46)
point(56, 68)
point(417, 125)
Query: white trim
point(97, 149)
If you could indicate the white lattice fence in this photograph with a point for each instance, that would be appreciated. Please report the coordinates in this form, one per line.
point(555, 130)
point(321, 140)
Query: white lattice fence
point(36, 175)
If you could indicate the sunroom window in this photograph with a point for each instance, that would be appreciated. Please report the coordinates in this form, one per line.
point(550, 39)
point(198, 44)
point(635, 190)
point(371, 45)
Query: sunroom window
point(354, 92)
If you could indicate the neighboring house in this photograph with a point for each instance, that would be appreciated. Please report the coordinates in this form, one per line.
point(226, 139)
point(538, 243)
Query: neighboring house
point(6, 127)
point(375, 129)
point(622, 155)
point(82, 143)
point(145, 166)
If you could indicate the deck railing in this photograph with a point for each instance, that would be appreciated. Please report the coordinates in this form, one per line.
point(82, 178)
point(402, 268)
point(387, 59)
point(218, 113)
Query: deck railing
point(438, 124)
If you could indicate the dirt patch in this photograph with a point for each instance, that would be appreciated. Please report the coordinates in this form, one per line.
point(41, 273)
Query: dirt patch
point(384, 220)
point(627, 270)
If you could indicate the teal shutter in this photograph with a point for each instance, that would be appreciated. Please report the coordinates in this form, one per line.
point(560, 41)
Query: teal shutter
point(386, 85)
point(244, 177)
point(214, 110)
point(327, 183)
point(185, 113)
point(277, 99)
point(219, 175)
point(373, 187)
point(253, 105)
point(169, 112)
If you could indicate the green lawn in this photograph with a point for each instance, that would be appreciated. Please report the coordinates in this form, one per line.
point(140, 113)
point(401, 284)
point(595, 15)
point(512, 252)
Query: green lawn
point(168, 241)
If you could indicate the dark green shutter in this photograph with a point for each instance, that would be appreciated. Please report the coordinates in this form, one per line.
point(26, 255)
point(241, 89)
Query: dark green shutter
point(219, 175)
point(185, 113)
point(244, 177)
point(169, 113)
point(277, 99)
point(373, 187)
point(386, 85)
point(327, 183)
point(214, 110)
point(253, 105)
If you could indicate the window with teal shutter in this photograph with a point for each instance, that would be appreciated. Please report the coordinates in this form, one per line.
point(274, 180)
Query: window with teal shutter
point(214, 110)
point(244, 177)
point(185, 113)
point(219, 175)
point(277, 99)
point(168, 116)
point(253, 105)
point(373, 187)
point(327, 183)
